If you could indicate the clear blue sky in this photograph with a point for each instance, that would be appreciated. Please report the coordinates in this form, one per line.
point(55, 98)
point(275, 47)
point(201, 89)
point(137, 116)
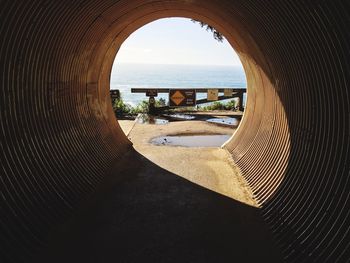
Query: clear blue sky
point(176, 41)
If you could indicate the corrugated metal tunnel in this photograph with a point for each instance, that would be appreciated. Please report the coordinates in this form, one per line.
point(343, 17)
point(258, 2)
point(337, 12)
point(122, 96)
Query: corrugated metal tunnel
point(59, 136)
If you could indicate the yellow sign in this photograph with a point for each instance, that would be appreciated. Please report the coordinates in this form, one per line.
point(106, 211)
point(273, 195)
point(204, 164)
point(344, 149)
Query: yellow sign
point(228, 92)
point(213, 94)
point(177, 97)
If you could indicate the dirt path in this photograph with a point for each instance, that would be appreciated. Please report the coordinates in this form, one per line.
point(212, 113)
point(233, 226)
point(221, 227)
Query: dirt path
point(126, 125)
point(211, 168)
point(192, 209)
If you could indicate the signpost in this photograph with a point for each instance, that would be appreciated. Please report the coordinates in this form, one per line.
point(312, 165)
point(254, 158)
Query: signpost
point(187, 97)
point(213, 95)
point(182, 97)
point(115, 94)
point(228, 92)
point(152, 93)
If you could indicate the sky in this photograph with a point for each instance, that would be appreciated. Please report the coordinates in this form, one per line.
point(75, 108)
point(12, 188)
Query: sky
point(176, 41)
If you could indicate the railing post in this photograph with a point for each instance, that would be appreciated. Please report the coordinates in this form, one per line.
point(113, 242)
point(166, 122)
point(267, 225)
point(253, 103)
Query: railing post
point(240, 101)
point(151, 105)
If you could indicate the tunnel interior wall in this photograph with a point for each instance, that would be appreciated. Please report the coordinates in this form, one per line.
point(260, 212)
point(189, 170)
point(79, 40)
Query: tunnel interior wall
point(59, 136)
point(297, 163)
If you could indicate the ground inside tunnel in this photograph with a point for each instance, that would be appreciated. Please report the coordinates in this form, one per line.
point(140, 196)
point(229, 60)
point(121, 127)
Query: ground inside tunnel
point(146, 213)
point(152, 215)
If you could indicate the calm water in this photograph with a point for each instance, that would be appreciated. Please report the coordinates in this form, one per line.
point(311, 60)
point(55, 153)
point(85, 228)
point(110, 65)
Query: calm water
point(127, 76)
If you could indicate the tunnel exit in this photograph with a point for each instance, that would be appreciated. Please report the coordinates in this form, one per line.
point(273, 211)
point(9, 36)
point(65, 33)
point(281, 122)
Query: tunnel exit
point(68, 170)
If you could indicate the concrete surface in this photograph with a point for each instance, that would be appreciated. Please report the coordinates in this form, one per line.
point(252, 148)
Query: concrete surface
point(168, 204)
point(126, 125)
point(211, 168)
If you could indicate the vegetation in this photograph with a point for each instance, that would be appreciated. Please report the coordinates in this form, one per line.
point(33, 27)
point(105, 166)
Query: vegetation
point(217, 105)
point(161, 102)
point(120, 108)
point(216, 34)
point(123, 109)
point(142, 107)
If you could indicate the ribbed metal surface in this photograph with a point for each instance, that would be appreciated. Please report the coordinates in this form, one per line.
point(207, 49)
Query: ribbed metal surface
point(59, 137)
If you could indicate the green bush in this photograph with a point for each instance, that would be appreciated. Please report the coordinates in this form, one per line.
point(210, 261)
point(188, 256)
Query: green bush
point(160, 103)
point(120, 108)
point(231, 105)
point(217, 105)
point(142, 107)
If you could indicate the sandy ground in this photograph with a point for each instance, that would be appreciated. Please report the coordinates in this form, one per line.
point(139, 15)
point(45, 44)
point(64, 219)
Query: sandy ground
point(211, 168)
point(126, 125)
point(167, 204)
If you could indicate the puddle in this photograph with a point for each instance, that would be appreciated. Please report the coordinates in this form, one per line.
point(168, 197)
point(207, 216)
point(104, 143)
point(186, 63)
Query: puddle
point(215, 140)
point(183, 117)
point(149, 119)
point(233, 122)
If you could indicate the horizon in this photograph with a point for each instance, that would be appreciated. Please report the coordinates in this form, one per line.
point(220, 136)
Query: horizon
point(175, 64)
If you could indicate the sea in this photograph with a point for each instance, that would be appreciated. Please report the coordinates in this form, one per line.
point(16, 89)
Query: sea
point(126, 76)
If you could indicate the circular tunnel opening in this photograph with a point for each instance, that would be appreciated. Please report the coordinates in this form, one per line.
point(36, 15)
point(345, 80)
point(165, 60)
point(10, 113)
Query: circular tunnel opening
point(176, 53)
point(264, 110)
point(59, 136)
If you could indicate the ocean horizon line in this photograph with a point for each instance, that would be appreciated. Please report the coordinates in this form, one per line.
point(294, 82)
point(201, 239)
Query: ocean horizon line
point(174, 64)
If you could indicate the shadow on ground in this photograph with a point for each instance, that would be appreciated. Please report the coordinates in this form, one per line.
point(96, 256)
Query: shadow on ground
point(144, 213)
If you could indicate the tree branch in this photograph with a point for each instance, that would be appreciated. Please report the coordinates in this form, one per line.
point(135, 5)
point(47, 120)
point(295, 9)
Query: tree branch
point(216, 34)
